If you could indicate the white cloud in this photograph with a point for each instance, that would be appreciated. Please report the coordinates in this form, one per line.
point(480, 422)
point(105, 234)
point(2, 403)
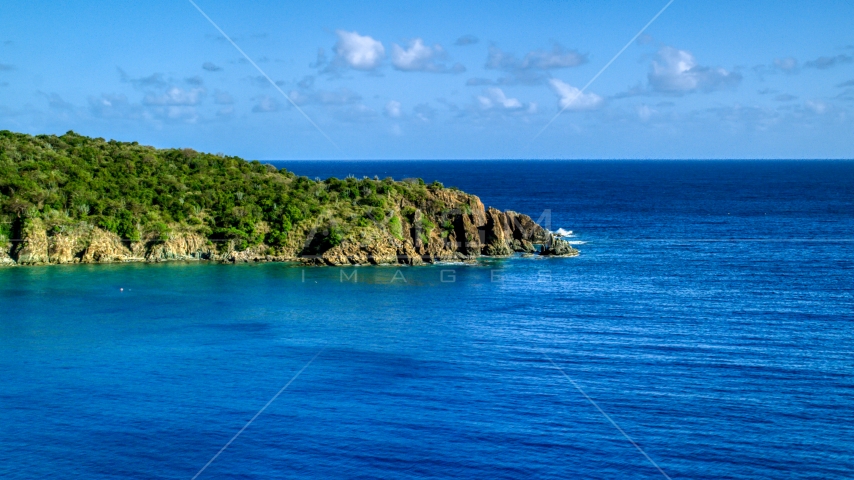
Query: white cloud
point(177, 112)
point(358, 51)
point(495, 101)
point(571, 98)
point(417, 57)
point(676, 72)
point(421, 58)
point(175, 96)
point(816, 106)
point(266, 104)
point(495, 97)
point(393, 110)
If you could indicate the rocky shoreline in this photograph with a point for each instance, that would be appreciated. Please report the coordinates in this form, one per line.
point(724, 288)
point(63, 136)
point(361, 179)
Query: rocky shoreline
point(445, 225)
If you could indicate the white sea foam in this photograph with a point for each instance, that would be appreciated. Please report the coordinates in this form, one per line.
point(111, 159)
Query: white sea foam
point(563, 232)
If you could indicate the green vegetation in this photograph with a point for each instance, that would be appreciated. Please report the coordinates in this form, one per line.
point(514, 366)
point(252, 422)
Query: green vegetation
point(5, 232)
point(145, 194)
point(427, 226)
point(447, 228)
point(395, 227)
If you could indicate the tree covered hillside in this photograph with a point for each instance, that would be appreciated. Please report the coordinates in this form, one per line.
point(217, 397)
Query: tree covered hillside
point(143, 193)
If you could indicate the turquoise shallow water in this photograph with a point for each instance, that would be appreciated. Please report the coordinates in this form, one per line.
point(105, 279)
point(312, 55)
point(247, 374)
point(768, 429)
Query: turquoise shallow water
point(710, 315)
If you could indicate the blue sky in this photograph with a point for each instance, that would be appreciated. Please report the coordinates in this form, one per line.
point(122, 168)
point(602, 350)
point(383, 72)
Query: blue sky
point(438, 80)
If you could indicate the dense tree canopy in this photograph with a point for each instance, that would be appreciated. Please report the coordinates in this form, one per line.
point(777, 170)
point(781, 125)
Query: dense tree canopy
point(140, 192)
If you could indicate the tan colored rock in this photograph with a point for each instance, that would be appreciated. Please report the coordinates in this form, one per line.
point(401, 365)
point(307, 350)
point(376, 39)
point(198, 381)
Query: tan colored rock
point(557, 247)
point(138, 249)
point(62, 249)
point(524, 246)
point(5, 259)
point(524, 228)
point(105, 247)
point(468, 236)
point(478, 213)
point(371, 246)
point(416, 231)
point(495, 236)
point(461, 203)
point(70, 245)
point(180, 246)
point(407, 255)
point(33, 248)
point(439, 249)
point(253, 254)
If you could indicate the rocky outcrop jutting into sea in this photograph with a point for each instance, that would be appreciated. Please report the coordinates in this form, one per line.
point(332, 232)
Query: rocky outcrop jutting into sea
point(73, 199)
point(445, 225)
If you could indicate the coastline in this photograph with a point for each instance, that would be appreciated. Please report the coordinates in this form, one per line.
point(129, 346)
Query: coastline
point(488, 233)
point(73, 199)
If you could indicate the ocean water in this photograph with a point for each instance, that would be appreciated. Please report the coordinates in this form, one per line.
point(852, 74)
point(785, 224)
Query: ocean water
point(710, 315)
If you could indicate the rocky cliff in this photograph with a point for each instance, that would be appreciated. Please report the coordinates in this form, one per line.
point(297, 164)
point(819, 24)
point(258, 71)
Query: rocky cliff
point(74, 199)
point(446, 225)
point(443, 225)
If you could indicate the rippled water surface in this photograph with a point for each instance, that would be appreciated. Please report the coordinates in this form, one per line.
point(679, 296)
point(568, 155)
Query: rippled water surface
point(709, 314)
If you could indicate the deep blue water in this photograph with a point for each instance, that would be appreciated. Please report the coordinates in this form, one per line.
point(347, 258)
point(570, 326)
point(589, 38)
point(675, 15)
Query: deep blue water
point(709, 314)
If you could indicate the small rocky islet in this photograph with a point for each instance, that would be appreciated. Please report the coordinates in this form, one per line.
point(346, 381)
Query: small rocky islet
point(74, 199)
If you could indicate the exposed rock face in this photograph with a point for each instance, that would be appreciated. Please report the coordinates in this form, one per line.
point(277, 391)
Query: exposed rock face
point(498, 242)
point(66, 248)
point(467, 235)
point(416, 232)
point(5, 259)
point(523, 246)
point(446, 225)
point(105, 247)
point(33, 248)
point(250, 255)
point(522, 227)
point(186, 246)
point(371, 247)
point(558, 247)
point(465, 231)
